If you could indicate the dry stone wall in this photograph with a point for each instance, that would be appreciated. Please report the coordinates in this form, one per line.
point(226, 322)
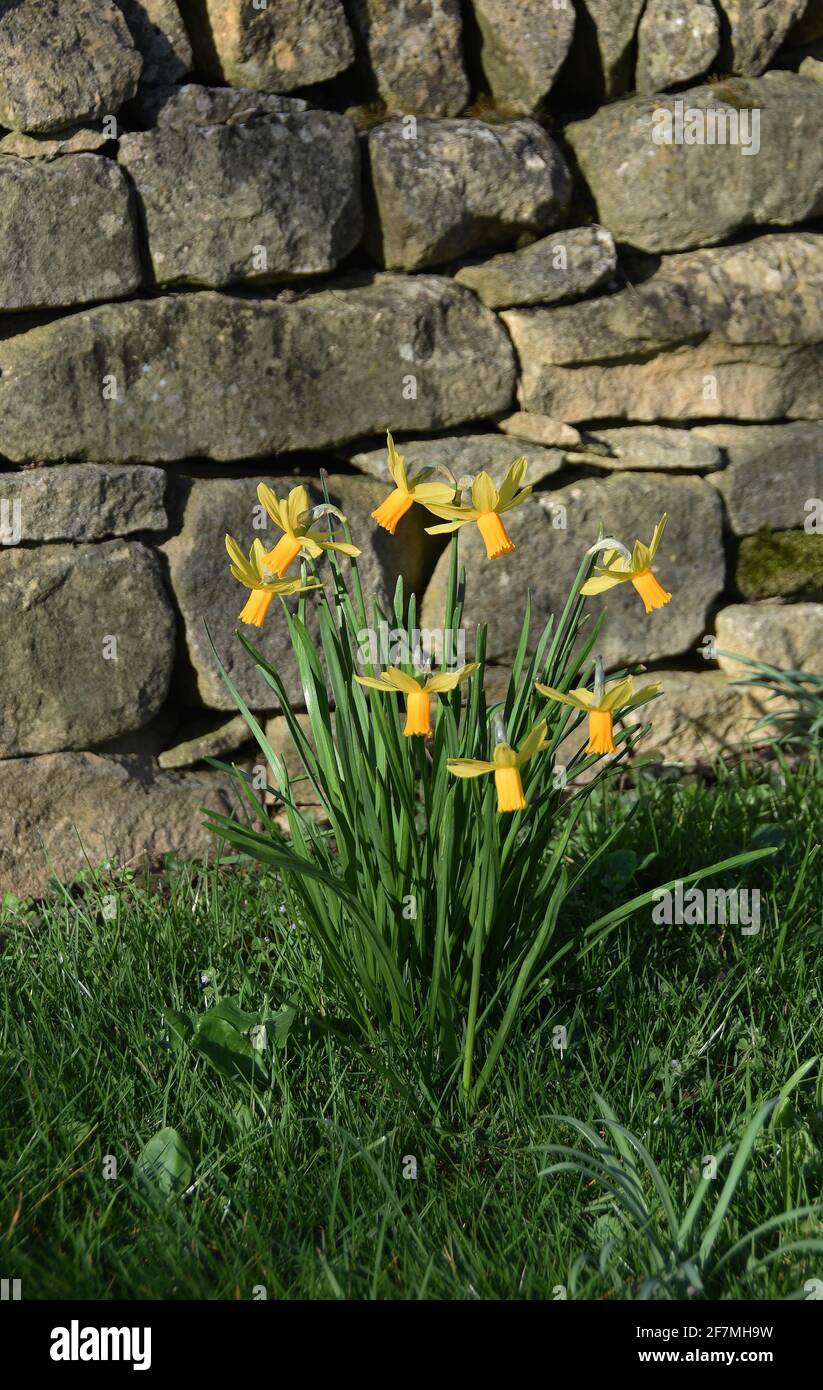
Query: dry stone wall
point(239, 239)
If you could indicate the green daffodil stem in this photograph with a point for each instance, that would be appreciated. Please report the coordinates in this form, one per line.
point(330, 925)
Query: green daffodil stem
point(474, 996)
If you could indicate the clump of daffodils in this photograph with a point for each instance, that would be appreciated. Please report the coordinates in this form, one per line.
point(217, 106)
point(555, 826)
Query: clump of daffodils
point(484, 866)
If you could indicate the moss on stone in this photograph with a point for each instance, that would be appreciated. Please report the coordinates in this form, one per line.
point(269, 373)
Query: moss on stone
point(781, 564)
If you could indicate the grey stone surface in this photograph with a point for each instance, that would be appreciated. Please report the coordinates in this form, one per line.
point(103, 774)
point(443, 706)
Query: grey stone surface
point(205, 590)
point(677, 41)
point(195, 104)
point(753, 30)
point(276, 198)
point(211, 743)
point(209, 375)
point(731, 332)
point(160, 36)
point(690, 564)
point(63, 62)
point(661, 196)
point(541, 429)
point(414, 51)
point(463, 454)
point(84, 501)
point(67, 232)
point(459, 185)
point(290, 44)
point(701, 715)
point(87, 634)
point(555, 269)
point(786, 635)
point(74, 140)
point(523, 48)
point(773, 471)
point(61, 812)
point(654, 447)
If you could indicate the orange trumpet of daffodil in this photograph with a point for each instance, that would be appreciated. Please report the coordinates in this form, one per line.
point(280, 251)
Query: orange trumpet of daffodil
point(601, 705)
point(487, 506)
point(417, 692)
point(619, 565)
point(256, 574)
point(506, 765)
point(407, 491)
point(293, 515)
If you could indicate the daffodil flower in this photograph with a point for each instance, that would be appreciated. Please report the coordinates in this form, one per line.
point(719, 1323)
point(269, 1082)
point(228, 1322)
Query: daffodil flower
point(407, 491)
point(487, 506)
point(294, 515)
point(619, 564)
point(601, 705)
point(417, 692)
point(506, 765)
point(255, 572)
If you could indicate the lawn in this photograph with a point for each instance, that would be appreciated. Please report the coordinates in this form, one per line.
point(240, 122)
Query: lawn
point(338, 1178)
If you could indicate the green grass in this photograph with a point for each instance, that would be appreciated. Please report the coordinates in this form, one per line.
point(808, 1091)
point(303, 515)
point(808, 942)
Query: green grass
point(684, 1031)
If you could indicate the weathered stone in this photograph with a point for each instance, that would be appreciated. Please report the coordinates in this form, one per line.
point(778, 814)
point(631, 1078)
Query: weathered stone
point(461, 184)
point(540, 429)
point(752, 32)
point(699, 717)
point(209, 375)
point(786, 635)
point(293, 43)
point(63, 61)
point(677, 41)
point(81, 140)
point(769, 290)
point(556, 268)
point(87, 635)
point(193, 104)
point(463, 454)
point(599, 65)
point(64, 811)
point(712, 381)
point(82, 502)
point(689, 563)
point(780, 564)
point(269, 200)
point(812, 67)
point(67, 232)
point(212, 743)
point(670, 347)
point(523, 48)
point(206, 592)
point(668, 196)
point(654, 447)
point(773, 472)
point(159, 34)
point(414, 52)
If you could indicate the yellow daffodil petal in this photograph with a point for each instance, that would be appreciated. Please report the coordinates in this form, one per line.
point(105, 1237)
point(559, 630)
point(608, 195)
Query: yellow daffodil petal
point(270, 503)
point(509, 786)
point(573, 698)
point(532, 744)
point(496, 537)
point(484, 493)
point(452, 513)
point(515, 501)
point(468, 767)
point(641, 559)
point(277, 561)
point(342, 547)
point(657, 535)
point(510, 485)
point(256, 607)
point(600, 583)
point(446, 527)
point(240, 567)
point(396, 465)
point(292, 510)
point(377, 683)
point(401, 681)
point(439, 494)
point(619, 695)
point(447, 680)
point(418, 715)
